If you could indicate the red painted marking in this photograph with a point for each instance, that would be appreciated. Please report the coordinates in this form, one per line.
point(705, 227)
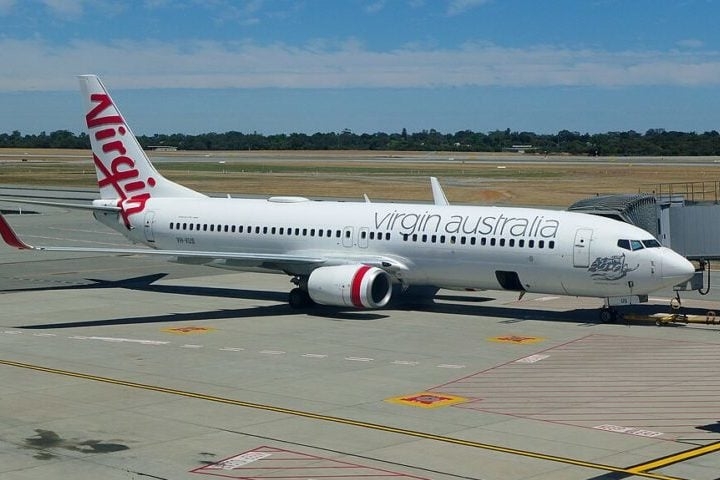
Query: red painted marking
point(426, 399)
point(10, 237)
point(275, 463)
point(355, 286)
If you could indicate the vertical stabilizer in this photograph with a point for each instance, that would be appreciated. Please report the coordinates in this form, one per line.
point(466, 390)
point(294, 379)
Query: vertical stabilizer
point(124, 171)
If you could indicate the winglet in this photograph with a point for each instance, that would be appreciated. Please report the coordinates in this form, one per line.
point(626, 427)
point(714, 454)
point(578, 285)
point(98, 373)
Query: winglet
point(439, 197)
point(10, 237)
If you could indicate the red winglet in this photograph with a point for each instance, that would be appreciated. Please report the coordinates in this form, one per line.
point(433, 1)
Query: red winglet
point(10, 237)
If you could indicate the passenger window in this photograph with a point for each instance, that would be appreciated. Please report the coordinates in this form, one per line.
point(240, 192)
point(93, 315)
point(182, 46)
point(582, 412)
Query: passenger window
point(541, 243)
point(492, 242)
point(551, 244)
point(521, 243)
point(473, 240)
point(502, 242)
point(414, 237)
point(511, 242)
point(387, 236)
point(531, 243)
point(372, 235)
point(483, 241)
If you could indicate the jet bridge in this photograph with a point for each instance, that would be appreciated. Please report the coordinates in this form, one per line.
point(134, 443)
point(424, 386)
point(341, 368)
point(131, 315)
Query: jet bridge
point(682, 216)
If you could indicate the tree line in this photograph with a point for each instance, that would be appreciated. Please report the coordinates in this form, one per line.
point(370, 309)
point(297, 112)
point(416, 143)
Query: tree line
point(654, 142)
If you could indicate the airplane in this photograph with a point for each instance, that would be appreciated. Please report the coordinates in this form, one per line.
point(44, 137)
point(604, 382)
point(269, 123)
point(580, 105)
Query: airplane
point(360, 254)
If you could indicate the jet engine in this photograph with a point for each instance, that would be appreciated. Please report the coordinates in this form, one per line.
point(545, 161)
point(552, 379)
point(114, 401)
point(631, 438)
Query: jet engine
point(359, 286)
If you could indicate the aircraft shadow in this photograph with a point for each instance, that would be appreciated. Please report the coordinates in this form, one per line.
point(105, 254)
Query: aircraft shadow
point(146, 284)
point(470, 306)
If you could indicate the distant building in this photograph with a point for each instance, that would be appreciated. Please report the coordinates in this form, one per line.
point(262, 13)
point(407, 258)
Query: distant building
point(519, 148)
point(162, 148)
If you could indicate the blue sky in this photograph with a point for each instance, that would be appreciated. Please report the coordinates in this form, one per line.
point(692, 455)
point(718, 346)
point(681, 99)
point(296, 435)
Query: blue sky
point(283, 66)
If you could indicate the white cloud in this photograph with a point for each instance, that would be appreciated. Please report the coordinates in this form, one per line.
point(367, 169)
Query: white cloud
point(66, 9)
point(457, 7)
point(6, 6)
point(36, 65)
point(691, 43)
point(375, 7)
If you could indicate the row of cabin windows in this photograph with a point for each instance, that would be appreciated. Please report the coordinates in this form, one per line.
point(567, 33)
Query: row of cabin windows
point(289, 231)
point(415, 237)
point(502, 242)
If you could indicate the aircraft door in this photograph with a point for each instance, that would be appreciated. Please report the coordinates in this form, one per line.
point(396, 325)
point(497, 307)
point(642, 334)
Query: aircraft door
point(149, 221)
point(363, 237)
point(347, 237)
point(581, 247)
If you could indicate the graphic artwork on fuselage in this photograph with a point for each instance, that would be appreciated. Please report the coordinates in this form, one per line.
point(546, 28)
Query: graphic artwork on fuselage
point(500, 225)
point(610, 268)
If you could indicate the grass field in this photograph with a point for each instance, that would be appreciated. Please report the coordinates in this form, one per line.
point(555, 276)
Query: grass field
point(467, 178)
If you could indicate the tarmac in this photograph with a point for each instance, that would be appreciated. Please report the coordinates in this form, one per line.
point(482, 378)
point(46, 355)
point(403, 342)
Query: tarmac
point(131, 367)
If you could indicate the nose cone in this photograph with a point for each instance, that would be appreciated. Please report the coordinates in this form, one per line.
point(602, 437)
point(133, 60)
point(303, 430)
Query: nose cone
point(676, 268)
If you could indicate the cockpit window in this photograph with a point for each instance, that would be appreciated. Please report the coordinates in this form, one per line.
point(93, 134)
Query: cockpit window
point(636, 245)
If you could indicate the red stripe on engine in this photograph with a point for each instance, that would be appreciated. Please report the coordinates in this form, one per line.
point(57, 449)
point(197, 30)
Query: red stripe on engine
point(355, 286)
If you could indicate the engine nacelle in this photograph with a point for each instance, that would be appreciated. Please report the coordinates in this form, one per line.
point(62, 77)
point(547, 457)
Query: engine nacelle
point(359, 286)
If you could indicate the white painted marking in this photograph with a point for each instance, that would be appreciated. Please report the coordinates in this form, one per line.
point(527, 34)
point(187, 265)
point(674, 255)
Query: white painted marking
point(11, 332)
point(359, 359)
point(313, 355)
point(119, 340)
point(272, 352)
point(239, 461)
point(628, 430)
point(658, 299)
point(546, 299)
point(405, 362)
point(232, 349)
point(532, 358)
point(190, 345)
point(44, 335)
point(445, 365)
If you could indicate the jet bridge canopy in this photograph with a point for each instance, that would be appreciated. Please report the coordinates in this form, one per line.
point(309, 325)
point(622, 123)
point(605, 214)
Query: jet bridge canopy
point(682, 216)
point(640, 209)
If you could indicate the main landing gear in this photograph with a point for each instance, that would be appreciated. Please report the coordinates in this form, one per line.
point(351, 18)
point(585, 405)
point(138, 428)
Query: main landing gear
point(299, 297)
point(609, 315)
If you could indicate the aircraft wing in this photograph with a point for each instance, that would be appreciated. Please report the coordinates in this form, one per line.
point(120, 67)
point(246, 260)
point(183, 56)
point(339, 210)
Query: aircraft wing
point(268, 260)
point(77, 206)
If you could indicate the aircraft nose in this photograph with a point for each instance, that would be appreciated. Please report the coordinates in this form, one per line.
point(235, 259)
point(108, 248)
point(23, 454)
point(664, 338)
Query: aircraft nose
point(676, 267)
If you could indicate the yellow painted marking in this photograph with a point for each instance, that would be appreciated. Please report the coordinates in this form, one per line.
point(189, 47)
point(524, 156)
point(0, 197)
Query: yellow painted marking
point(339, 420)
point(515, 339)
point(427, 400)
point(187, 330)
point(675, 458)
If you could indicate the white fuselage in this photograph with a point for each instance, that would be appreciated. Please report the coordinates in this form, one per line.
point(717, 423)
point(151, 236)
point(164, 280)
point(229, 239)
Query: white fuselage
point(535, 250)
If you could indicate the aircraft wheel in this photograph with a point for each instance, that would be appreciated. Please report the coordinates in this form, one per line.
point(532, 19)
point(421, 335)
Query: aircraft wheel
point(299, 299)
point(608, 315)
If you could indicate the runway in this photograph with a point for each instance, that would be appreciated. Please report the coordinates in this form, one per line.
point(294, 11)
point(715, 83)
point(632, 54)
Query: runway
point(125, 367)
